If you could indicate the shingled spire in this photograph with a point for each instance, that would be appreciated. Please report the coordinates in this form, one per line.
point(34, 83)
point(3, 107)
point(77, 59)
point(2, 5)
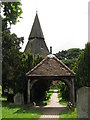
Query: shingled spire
point(36, 31)
point(36, 43)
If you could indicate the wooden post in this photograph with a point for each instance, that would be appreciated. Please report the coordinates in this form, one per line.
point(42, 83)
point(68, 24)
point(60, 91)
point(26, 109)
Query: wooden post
point(28, 92)
point(72, 93)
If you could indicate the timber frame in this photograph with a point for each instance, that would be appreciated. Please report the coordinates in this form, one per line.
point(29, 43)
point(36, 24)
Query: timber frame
point(51, 68)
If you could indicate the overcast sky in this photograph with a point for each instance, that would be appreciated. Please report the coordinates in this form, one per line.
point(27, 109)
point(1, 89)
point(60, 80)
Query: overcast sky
point(64, 22)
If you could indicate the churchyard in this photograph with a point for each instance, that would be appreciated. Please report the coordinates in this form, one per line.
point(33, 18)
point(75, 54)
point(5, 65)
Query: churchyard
point(37, 84)
point(25, 111)
point(10, 110)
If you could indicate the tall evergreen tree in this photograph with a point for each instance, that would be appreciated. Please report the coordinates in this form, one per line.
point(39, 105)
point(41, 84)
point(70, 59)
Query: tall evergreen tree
point(82, 68)
point(11, 63)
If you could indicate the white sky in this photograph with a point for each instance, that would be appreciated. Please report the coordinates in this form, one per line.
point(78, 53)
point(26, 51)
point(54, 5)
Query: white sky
point(64, 22)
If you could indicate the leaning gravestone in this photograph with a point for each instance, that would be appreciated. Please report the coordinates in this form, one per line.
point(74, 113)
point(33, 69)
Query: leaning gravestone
point(18, 99)
point(83, 95)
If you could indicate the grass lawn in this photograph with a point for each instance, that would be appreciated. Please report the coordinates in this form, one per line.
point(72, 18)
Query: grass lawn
point(11, 111)
point(68, 114)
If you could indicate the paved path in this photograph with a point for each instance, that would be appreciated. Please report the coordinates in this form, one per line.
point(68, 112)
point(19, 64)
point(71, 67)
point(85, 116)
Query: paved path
point(52, 110)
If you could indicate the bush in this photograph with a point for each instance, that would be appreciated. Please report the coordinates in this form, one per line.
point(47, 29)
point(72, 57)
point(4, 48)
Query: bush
point(64, 90)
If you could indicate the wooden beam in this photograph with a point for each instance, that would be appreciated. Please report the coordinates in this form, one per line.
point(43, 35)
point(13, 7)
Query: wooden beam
point(72, 96)
point(28, 92)
point(73, 93)
point(51, 77)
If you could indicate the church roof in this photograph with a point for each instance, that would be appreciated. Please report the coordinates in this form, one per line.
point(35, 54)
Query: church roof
point(51, 66)
point(36, 31)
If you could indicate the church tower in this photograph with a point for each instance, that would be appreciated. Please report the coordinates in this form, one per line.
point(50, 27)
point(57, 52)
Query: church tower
point(36, 43)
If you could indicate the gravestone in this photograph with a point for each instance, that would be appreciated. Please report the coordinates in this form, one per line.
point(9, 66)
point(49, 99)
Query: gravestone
point(18, 99)
point(83, 95)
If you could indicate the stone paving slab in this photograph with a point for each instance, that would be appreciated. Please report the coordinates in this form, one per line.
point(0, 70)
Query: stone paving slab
point(52, 110)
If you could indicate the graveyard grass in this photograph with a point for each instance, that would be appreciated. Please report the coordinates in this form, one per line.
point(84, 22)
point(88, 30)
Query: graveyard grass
point(68, 114)
point(9, 110)
point(12, 111)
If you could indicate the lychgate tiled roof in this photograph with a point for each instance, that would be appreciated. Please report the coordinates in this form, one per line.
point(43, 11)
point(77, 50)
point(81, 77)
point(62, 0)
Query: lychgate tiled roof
point(51, 66)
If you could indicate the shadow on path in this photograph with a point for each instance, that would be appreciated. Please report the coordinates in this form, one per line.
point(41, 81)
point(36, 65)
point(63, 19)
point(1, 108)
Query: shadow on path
point(50, 113)
point(53, 109)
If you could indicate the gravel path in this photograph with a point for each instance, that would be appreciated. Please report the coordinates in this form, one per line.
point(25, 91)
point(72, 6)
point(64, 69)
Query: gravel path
point(52, 110)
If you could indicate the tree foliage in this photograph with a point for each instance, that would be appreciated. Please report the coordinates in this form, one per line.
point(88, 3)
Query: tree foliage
point(64, 90)
point(82, 68)
point(37, 60)
point(12, 61)
point(69, 56)
point(11, 58)
point(12, 13)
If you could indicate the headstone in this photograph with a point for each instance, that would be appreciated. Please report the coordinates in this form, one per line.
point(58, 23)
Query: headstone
point(83, 95)
point(18, 99)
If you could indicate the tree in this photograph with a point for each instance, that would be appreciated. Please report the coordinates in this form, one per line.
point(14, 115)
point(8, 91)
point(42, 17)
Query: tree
point(73, 53)
point(64, 90)
point(61, 55)
point(37, 60)
point(69, 56)
point(11, 58)
point(12, 13)
point(11, 63)
point(82, 68)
